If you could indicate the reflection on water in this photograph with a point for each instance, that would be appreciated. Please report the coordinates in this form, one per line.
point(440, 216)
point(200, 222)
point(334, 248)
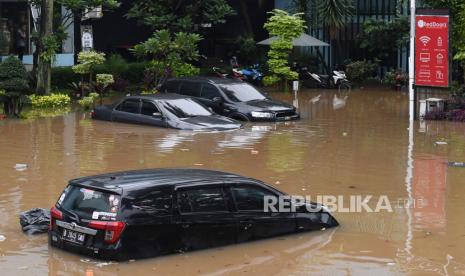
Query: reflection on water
point(346, 144)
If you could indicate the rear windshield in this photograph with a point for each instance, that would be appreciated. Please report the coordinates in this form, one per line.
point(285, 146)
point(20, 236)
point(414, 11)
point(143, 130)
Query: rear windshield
point(89, 204)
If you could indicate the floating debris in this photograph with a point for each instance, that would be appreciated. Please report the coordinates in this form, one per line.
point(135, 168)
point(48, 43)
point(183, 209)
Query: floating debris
point(344, 134)
point(456, 164)
point(254, 151)
point(198, 164)
point(315, 99)
point(21, 167)
point(2, 238)
point(441, 143)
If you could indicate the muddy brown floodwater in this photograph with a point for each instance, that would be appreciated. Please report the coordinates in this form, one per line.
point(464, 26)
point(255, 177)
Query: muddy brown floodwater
point(347, 146)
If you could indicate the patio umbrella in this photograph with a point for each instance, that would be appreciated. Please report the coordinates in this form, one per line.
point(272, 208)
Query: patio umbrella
point(304, 40)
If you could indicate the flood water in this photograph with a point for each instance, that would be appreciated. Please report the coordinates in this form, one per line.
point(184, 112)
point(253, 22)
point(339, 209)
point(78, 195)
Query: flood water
point(359, 145)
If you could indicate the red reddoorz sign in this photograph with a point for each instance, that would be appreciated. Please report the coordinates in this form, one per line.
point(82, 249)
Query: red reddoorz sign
point(432, 50)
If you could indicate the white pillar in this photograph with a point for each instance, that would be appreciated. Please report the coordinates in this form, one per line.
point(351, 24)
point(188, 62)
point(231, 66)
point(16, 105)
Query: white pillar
point(411, 61)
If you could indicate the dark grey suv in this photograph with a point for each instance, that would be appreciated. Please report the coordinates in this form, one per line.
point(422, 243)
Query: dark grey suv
point(232, 98)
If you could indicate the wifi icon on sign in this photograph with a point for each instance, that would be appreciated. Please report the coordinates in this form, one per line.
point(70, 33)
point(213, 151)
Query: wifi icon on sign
point(425, 39)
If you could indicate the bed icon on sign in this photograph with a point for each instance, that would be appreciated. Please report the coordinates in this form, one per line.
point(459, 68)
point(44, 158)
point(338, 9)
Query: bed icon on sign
point(439, 58)
point(425, 57)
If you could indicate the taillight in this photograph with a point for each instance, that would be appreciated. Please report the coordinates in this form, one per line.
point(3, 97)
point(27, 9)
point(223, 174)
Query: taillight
point(54, 214)
point(113, 229)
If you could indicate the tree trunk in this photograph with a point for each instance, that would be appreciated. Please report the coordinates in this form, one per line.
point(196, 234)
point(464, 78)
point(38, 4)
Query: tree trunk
point(246, 18)
point(46, 30)
point(77, 33)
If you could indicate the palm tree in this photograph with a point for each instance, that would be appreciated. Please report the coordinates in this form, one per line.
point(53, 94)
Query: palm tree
point(334, 14)
point(330, 13)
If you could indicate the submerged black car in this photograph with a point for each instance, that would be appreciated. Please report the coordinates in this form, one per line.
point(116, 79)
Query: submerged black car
point(164, 110)
point(233, 98)
point(146, 213)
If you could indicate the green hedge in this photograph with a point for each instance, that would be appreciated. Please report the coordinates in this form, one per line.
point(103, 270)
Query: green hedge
point(62, 77)
point(132, 72)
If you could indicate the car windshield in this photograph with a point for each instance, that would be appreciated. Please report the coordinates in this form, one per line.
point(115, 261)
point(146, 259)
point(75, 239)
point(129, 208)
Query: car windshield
point(184, 108)
point(88, 203)
point(242, 92)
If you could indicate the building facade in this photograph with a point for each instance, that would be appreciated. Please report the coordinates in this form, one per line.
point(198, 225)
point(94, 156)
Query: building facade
point(17, 16)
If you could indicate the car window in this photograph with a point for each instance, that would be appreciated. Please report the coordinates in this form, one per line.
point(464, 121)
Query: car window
point(209, 92)
point(184, 108)
point(129, 105)
point(148, 108)
point(201, 200)
point(249, 197)
point(189, 88)
point(172, 86)
point(156, 202)
point(242, 92)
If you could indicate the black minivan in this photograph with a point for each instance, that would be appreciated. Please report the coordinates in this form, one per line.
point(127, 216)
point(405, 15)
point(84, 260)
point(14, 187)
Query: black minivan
point(137, 214)
point(232, 98)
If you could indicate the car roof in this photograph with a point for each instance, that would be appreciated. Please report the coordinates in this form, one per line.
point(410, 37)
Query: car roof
point(159, 96)
point(141, 179)
point(211, 80)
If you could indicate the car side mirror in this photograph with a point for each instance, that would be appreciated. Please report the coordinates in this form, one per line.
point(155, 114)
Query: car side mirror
point(217, 100)
point(157, 115)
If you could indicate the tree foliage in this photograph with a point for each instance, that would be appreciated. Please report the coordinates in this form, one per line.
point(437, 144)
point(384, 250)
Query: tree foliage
point(334, 13)
point(87, 62)
point(179, 15)
point(285, 27)
point(381, 39)
point(171, 55)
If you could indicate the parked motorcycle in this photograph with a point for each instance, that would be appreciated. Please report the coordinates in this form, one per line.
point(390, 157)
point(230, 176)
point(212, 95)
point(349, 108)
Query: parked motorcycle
point(312, 80)
point(235, 73)
point(253, 75)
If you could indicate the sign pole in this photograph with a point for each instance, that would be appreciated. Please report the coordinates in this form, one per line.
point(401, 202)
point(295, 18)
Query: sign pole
point(411, 62)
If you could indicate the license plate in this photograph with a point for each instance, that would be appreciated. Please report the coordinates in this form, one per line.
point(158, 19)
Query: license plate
point(73, 236)
point(287, 118)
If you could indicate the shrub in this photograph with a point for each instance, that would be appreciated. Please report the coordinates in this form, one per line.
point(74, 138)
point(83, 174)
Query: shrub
point(87, 62)
point(457, 115)
point(63, 76)
point(436, 115)
point(104, 80)
point(88, 101)
point(360, 70)
point(115, 65)
point(120, 85)
point(13, 77)
point(14, 83)
point(394, 77)
point(149, 92)
point(57, 100)
point(135, 72)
